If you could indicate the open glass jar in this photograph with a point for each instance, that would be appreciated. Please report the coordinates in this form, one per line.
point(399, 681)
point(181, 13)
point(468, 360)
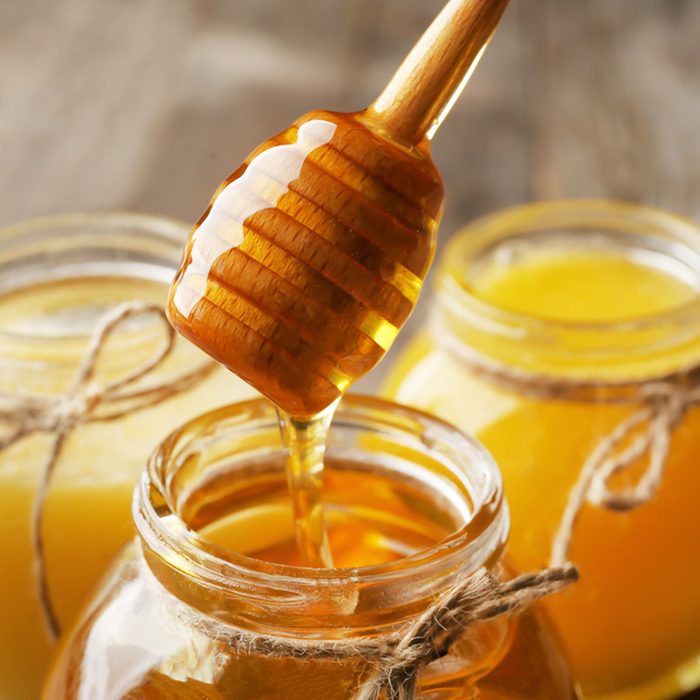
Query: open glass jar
point(206, 605)
point(566, 336)
point(58, 277)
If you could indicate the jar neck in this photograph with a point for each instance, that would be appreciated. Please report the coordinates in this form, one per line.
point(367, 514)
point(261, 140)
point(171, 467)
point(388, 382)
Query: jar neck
point(198, 462)
point(628, 349)
point(60, 275)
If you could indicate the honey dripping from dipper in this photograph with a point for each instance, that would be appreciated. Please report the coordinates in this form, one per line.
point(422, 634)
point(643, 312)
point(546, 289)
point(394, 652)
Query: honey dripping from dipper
point(311, 256)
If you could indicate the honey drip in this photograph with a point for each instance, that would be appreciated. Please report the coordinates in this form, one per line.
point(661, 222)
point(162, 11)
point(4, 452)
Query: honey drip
point(306, 442)
point(311, 255)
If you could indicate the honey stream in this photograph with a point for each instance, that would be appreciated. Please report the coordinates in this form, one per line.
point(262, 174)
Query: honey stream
point(305, 440)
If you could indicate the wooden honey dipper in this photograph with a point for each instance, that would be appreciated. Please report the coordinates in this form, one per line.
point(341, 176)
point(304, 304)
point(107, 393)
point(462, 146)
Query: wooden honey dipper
point(312, 254)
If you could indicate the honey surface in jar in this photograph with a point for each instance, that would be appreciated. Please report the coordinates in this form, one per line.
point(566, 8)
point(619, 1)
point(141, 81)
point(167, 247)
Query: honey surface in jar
point(391, 520)
point(590, 287)
point(631, 630)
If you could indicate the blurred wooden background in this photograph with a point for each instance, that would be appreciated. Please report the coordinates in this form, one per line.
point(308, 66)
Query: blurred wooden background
point(149, 104)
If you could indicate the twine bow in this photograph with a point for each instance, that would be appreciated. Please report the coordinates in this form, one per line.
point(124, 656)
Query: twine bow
point(87, 401)
point(479, 598)
point(665, 406)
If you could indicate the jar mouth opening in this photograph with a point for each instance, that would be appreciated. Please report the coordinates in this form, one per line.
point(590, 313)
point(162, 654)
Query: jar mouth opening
point(59, 276)
point(629, 224)
point(78, 245)
point(160, 502)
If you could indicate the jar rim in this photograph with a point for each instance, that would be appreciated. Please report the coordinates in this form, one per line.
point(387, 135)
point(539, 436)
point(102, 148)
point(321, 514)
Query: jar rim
point(165, 232)
point(595, 341)
point(471, 239)
point(78, 246)
point(164, 531)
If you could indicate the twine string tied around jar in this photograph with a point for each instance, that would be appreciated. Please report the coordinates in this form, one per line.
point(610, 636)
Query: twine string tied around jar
point(87, 401)
point(397, 659)
point(646, 433)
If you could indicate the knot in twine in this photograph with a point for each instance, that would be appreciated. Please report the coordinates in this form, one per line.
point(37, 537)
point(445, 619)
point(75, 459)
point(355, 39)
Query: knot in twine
point(646, 433)
point(87, 401)
point(478, 598)
point(31, 414)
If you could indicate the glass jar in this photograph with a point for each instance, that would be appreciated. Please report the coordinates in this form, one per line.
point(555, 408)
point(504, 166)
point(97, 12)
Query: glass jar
point(562, 335)
point(188, 613)
point(58, 276)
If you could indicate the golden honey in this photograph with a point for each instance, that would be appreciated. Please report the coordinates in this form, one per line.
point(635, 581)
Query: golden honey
point(597, 293)
point(298, 278)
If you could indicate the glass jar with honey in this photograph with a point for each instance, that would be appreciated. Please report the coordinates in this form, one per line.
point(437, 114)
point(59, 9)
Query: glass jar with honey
point(210, 601)
point(566, 336)
point(72, 447)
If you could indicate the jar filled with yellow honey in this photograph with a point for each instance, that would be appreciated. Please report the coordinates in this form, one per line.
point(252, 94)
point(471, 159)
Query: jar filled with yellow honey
point(210, 601)
point(76, 422)
point(566, 336)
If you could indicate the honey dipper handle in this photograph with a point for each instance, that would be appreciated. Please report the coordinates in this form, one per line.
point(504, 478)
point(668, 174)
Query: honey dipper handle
point(419, 96)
